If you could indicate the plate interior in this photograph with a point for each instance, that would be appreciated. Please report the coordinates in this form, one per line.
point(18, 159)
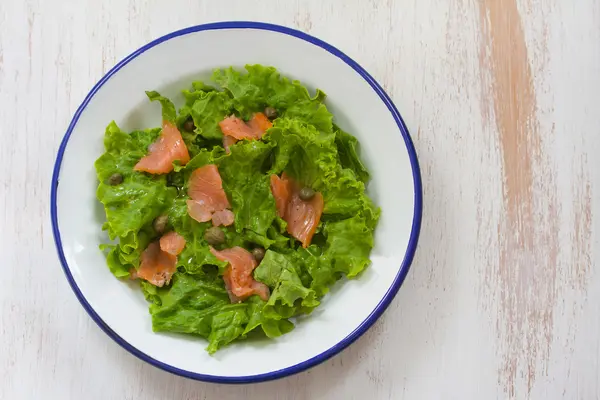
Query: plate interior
point(169, 67)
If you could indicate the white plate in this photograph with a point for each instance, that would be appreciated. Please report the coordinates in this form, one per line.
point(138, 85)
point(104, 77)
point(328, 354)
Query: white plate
point(169, 64)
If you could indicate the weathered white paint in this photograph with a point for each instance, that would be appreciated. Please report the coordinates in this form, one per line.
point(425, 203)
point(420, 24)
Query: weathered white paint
point(503, 300)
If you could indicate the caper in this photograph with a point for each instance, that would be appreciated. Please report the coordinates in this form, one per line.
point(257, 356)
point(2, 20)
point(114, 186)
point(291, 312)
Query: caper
point(214, 236)
point(160, 223)
point(271, 113)
point(306, 193)
point(258, 253)
point(115, 179)
point(189, 125)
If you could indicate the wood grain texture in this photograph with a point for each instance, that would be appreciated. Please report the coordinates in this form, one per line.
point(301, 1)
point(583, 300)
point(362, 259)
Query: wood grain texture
point(523, 276)
point(501, 96)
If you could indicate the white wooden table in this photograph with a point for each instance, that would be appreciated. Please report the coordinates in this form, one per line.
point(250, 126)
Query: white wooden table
point(502, 98)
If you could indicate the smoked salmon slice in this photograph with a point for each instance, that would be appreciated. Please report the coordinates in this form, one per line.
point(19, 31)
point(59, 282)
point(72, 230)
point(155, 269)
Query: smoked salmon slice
point(302, 216)
point(205, 185)
point(260, 123)
point(168, 148)
point(208, 199)
point(159, 260)
point(238, 276)
point(228, 286)
point(199, 211)
point(172, 243)
point(223, 217)
point(259, 288)
point(157, 266)
point(281, 189)
point(236, 128)
point(252, 130)
point(227, 142)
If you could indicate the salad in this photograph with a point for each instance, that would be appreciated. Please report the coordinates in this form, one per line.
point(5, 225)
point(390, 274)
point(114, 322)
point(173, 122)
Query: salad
point(240, 211)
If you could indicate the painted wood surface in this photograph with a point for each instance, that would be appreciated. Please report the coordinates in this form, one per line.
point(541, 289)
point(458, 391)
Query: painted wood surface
point(502, 99)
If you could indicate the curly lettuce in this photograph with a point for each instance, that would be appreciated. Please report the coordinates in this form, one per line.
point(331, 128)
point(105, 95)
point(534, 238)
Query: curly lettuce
point(304, 143)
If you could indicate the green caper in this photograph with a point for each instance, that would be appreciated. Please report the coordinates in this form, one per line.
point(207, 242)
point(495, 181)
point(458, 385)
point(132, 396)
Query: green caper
point(160, 223)
point(258, 253)
point(306, 193)
point(189, 125)
point(214, 236)
point(115, 179)
point(270, 113)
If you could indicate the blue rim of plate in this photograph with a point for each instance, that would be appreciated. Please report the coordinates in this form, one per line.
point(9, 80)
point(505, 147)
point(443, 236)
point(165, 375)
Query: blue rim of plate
point(379, 309)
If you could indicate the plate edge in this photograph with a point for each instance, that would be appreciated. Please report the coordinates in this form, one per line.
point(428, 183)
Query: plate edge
point(369, 320)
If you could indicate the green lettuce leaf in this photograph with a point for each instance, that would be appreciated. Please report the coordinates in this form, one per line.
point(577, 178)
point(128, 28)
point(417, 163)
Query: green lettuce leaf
point(276, 327)
point(168, 108)
point(200, 86)
point(150, 293)
point(348, 151)
point(264, 86)
point(201, 307)
point(227, 326)
point(204, 157)
point(349, 243)
point(187, 305)
point(276, 237)
point(256, 239)
point(272, 328)
point(289, 295)
point(247, 186)
point(208, 110)
point(238, 320)
point(317, 270)
point(125, 256)
point(115, 265)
